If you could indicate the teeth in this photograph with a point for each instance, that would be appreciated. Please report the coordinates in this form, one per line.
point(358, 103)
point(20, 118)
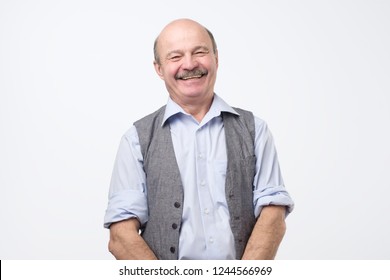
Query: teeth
point(191, 77)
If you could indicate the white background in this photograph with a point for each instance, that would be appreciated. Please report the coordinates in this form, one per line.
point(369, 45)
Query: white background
point(74, 75)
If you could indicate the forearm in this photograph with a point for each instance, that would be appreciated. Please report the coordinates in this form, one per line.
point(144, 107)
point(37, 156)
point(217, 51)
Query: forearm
point(267, 234)
point(126, 243)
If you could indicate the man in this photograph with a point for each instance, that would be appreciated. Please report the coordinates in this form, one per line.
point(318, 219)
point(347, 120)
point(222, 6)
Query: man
point(197, 178)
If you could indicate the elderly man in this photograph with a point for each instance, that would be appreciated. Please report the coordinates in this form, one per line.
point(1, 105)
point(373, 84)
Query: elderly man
point(197, 179)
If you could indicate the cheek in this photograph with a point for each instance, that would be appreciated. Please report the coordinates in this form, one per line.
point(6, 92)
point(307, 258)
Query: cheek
point(210, 64)
point(171, 72)
point(167, 69)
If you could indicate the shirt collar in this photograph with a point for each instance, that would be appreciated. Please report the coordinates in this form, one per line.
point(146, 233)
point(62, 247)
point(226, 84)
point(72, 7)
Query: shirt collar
point(217, 107)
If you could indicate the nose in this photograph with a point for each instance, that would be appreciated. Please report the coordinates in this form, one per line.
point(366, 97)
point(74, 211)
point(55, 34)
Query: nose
point(190, 62)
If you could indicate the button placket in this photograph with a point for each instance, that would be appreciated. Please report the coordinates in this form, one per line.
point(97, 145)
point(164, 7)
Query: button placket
point(205, 198)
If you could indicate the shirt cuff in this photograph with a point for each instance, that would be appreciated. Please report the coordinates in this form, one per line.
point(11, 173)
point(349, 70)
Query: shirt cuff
point(124, 205)
point(272, 196)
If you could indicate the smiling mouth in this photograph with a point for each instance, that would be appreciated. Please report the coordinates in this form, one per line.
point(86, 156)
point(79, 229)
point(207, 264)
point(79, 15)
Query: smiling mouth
point(195, 74)
point(192, 77)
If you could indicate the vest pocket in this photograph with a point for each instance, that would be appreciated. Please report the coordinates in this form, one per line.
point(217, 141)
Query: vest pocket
point(217, 189)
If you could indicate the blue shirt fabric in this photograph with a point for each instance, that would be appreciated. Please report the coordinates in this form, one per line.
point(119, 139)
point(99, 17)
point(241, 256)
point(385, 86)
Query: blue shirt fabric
point(200, 150)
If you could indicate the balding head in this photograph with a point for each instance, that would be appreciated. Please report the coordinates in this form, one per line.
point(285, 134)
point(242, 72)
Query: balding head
point(178, 26)
point(187, 61)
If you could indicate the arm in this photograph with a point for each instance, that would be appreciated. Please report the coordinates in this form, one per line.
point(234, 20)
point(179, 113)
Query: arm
point(126, 243)
point(127, 200)
point(267, 234)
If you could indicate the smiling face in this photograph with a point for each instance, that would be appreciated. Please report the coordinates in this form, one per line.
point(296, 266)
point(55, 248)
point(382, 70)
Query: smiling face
point(187, 62)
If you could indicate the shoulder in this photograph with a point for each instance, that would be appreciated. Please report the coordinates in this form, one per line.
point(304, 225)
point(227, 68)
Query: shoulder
point(255, 123)
point(130, 137)
point(263, 132)
point(260, 124)
point(246, 117)
point(151, 117)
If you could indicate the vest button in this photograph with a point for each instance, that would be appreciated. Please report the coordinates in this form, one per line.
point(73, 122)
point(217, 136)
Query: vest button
point(177, 204)
point(172, 249)
point(174, 226)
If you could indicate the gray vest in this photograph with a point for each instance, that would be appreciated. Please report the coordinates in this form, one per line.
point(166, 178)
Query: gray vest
point(164, 185)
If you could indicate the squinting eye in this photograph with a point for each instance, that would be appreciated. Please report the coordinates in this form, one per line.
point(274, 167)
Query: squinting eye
point(176, 57)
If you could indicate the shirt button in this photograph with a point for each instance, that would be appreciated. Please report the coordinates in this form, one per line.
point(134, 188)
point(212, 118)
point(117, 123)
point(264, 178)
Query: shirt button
point(172, 249)
point(174, 226)
point(211, 240)
point(206, 211)
point(203, 183)
point(177, 204)
point(200, 156)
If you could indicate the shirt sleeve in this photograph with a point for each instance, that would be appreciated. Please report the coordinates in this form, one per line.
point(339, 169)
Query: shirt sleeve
point(268, 183)
point(127, 195)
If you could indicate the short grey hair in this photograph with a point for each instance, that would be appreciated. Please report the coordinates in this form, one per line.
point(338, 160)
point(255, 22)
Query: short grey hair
point(157, 56)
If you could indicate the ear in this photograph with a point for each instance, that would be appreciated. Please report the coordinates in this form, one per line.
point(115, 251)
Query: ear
point(216, 57)
point(158, 69)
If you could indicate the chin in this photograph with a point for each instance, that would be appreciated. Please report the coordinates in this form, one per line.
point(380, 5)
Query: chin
point(194, 94)
point(194, 91)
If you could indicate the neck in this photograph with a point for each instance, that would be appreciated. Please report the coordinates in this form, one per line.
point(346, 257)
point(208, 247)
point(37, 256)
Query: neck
point(196, 108)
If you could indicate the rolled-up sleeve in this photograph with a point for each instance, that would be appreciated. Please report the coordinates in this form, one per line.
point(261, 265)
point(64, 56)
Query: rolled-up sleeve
point(127, 195)
point(268, 183)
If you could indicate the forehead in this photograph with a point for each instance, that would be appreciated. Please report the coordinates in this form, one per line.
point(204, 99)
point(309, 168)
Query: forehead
point(183, 36)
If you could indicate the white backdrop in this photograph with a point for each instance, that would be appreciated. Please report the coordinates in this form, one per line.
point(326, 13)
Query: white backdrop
point(74, 75)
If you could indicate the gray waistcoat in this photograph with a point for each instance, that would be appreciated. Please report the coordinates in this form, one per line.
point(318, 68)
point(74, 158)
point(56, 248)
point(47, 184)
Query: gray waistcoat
point(164, 185)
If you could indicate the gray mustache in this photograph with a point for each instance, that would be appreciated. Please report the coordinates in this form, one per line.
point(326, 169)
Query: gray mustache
point(186, 74)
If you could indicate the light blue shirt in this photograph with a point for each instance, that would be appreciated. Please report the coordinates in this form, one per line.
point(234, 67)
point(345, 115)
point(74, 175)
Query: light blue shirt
point(200, 150)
